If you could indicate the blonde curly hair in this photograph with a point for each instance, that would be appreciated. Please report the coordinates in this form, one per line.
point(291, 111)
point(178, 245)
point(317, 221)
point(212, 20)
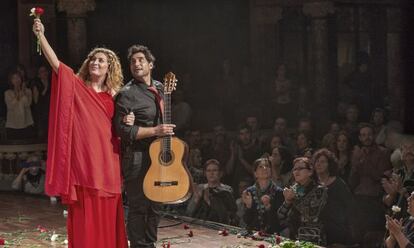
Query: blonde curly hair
point(114, 78)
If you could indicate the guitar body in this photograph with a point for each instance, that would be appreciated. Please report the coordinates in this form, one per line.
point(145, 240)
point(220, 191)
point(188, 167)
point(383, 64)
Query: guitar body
point(168, 180)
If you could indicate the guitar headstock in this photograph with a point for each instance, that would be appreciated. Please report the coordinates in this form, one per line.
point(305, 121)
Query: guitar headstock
point(170, 82)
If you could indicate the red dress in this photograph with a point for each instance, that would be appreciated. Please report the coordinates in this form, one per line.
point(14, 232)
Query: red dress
point(83, 162)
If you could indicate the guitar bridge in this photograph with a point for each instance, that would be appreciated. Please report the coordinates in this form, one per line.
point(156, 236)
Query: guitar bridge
point(165, 184)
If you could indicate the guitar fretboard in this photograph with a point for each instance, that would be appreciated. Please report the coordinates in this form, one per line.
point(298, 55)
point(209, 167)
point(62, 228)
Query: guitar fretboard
point(166, 140)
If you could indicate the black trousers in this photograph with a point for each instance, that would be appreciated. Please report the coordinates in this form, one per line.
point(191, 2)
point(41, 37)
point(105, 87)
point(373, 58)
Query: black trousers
point(143, 215)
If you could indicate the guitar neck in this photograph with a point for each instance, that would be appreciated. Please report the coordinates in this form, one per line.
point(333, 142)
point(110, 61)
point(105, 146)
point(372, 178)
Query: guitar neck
point(166, 140)
point(166, 118)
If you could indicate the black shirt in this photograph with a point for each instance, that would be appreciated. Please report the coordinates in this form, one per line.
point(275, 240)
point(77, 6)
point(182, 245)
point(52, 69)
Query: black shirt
point(137, 98)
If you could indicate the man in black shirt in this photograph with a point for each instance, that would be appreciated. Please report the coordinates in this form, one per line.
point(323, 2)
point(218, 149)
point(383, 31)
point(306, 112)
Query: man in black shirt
point(141, 98)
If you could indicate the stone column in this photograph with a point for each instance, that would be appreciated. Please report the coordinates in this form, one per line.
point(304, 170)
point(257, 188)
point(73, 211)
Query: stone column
point(395, 66)
point(76, 11)
point(264, 16)
point(320, 80)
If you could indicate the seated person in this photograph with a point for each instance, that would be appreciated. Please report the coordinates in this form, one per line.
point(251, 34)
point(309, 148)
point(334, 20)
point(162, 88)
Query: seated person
point(401, 183)
point(213, 200)
point(304, 203)
point(241, 208)
point(281, 161)
point(31, 178)
point(401, 233)
point(262, 200)
point(339, 207)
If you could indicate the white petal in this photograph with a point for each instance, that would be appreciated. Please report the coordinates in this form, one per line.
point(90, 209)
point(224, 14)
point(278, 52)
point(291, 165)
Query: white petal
point(54, 237)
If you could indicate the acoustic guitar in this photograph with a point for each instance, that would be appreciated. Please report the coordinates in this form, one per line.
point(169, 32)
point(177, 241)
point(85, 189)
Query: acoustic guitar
point(168, 180)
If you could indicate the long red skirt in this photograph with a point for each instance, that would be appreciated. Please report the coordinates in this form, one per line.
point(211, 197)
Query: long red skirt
point(96, 221)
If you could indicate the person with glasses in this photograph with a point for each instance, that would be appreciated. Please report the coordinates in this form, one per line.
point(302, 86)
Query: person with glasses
point(304, 203)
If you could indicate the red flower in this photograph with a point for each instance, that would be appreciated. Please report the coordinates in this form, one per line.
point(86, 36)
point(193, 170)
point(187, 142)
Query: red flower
point(166, 245)
point(186, 226)
point(2, 242)
point(190, 234)
point(39, 11)
point(278, 239)
point(224, 232)
point(261, 233)
point(41, 229)
point(261, 246)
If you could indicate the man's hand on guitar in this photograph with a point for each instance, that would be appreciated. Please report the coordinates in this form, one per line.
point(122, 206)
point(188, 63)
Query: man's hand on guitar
point(129, 119)
point(164, 130)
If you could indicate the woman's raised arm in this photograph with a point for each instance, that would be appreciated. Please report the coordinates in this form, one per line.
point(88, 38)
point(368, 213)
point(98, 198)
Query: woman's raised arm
point(39, 30)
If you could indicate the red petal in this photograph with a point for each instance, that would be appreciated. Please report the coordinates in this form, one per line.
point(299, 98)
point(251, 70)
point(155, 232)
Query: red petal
point(39, 11)
point(186, 226)
point(190, 234)
point(261, 246)
point(2, 242)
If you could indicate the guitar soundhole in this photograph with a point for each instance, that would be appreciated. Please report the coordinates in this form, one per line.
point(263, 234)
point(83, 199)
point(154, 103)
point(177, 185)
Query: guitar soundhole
point(166, 157)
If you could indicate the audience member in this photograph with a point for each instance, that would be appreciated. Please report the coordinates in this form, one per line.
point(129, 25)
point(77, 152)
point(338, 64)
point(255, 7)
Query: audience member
point(280, 128)
point(213, 200)
point(351, 123)
point(369, 164)
point(401, 233)
point(274, 142)
point(242, 154)
point(305, 126)
point(304, 203)
point(343, 151)
point(281, 163)
point(338, 210)
point(303, 145)
point(18, 98)
point(378, 121)
point(21, 69)
point(282, 99)
point(41, 98)
point(328, 140)
point(195, 165)
point(262, 200)
point(31, 178)
point(241, 208)
point(400, 185)
point(221, 148)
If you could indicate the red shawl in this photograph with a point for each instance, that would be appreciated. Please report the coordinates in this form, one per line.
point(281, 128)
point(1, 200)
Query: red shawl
point(82, 148)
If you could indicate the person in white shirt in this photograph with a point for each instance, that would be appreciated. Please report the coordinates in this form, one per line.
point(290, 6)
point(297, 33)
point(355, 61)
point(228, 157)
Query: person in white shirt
point(19, 120)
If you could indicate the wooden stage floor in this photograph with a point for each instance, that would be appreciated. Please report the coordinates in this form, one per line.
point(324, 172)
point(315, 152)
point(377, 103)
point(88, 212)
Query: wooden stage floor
point(30, 221)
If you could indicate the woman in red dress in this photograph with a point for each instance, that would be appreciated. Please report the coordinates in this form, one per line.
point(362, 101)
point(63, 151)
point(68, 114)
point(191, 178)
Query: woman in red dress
point(83, 152)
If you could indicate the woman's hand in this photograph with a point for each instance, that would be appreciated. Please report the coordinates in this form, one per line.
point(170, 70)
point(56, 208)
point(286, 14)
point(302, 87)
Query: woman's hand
point(266, 202)
point(38, 27)
point(129, 119)
point(18, 92)
point(247, 199)
point(289, 195)
point(393, 225)
point(50, 55)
